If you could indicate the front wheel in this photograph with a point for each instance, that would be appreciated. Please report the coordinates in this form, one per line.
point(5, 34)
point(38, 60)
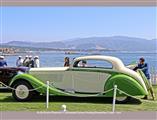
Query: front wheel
point(21, 91)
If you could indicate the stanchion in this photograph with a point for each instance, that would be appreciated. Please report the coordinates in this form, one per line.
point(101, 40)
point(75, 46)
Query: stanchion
point(47, 95)
point(114, 98)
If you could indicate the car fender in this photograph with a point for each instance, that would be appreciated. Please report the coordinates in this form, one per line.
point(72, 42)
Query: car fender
point(126, 84)
point(38, 85)
point(35, 83)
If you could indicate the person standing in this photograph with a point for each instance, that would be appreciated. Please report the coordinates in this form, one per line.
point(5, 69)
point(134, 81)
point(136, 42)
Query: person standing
point(142, 65)
point(3, 63)
point(19, 61)
point(26, 61)
point(30, 62)
point(66, 62)
point(36, 62)
point(84, 63)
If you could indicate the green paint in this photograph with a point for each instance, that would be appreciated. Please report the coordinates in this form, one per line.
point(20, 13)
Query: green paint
point(37, 83)
point(109, 71)
point(126, 84)
point(100, 70)
point(147, 83)
point(32, 80)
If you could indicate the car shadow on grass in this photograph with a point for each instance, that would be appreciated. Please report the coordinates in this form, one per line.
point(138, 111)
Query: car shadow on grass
point(96, 100)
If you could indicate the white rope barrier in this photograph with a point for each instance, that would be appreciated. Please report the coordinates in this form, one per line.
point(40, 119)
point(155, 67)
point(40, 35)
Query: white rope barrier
point(101, 93)
point(20, 90)
point(122, 92)
point(114, 98)
point(115, 89)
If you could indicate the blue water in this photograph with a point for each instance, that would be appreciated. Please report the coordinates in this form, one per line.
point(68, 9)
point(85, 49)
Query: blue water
point(54, 59)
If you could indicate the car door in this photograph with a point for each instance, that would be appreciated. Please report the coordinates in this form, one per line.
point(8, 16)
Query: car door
point(89, 79)
point(86, 80)
point(66, 82)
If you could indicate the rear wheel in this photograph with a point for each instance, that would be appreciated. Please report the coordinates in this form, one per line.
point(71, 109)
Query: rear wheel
point(21, 92)
point(123, 99)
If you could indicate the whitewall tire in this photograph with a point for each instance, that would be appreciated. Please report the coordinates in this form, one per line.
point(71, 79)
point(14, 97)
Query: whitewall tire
point(21, 92)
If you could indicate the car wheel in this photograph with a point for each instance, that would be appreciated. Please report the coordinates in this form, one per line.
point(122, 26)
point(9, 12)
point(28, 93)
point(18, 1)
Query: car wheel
point(123, 99)
point(21, 92)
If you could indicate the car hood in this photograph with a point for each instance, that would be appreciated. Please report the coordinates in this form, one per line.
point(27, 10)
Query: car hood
point(22, 69)
point(48, 69)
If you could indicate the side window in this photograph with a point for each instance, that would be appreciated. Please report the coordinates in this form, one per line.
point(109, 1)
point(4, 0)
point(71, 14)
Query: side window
point(93, 64)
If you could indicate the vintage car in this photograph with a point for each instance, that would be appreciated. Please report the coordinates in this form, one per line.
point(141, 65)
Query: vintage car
point(7, 73)
point(93, 79)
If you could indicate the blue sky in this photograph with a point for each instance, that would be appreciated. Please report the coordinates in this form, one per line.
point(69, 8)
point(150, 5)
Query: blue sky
point(61, 23)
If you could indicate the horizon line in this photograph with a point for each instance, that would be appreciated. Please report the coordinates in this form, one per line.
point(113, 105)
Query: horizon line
point(75, 38)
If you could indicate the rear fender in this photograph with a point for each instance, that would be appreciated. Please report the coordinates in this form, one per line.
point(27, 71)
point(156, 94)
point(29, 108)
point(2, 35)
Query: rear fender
point(125, 83)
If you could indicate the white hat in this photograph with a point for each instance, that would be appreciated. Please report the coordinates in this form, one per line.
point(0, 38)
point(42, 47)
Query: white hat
point(36, 56)
point(26, 56)
point(30, 56)
point(20, 56)
point(2, 57)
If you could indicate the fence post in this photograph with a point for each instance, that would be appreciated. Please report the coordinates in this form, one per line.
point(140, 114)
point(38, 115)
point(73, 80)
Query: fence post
point(47, 95)
point(114, 98)
point(152, 75)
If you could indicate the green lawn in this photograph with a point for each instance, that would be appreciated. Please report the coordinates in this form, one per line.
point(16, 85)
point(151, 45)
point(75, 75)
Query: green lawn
point(7, 103)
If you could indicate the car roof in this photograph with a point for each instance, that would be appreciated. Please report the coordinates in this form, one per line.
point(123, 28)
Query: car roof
point(116, 62)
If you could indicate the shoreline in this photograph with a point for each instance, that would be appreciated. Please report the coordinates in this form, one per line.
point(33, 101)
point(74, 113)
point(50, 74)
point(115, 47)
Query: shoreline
point(76, 52)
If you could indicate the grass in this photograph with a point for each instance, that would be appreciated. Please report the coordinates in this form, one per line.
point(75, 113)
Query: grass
point(7, 103)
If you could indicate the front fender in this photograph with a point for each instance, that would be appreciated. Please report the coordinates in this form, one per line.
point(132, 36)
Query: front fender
point(36, 84)
point(125, 83)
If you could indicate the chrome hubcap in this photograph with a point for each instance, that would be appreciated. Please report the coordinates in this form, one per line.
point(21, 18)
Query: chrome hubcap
point(121, 98)
point(22, 91)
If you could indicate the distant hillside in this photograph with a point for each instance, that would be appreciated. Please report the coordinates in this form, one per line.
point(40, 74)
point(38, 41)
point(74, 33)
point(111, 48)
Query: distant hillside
point(37, 44)
point(115, 43)
point(107, 43)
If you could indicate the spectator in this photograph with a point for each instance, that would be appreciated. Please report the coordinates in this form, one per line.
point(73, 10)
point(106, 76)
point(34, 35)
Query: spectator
point(26, 61)
point(30, 62)
point(19, 61)
point(3, 63)
point(66, 62)
point(84, 63)
point(36, 62)
point(144, 67)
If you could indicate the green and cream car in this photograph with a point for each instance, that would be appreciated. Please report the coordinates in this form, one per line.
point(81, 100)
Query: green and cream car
point(93, 79)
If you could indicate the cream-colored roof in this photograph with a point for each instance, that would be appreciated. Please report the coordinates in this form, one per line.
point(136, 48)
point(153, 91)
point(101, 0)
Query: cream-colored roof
point(116, 62)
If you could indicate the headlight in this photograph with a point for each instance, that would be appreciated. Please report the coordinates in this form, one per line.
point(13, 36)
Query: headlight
point(19, 72)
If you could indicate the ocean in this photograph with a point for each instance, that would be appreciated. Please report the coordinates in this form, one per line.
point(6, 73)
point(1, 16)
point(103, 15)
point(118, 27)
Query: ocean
point(54, 59)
